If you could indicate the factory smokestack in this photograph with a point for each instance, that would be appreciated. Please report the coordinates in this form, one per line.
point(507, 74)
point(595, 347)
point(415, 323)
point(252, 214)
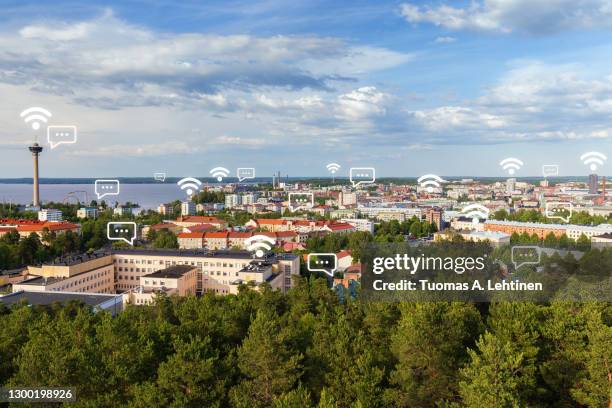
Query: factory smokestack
point(36, 149)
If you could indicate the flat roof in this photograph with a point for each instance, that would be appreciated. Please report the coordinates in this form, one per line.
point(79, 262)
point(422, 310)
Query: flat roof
point(204, 253)
point(46, 298)
point(175, 272)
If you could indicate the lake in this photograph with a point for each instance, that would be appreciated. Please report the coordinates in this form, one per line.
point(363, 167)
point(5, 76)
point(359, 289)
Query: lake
point(149, 196)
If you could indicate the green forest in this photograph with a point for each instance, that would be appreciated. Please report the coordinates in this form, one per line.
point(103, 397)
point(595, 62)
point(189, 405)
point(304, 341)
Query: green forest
point(308, 349)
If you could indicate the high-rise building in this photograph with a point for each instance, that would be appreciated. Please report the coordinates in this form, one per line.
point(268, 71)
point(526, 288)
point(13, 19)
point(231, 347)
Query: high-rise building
point(510, 185)
point(188, 208)
point(347, 199)
point(232, 200)
point(593, 184)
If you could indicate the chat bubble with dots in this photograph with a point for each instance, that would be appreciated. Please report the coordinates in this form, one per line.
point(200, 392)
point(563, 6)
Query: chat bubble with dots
point(121, 231)
point(362, 175)
point(301, 201)
point(322, 262)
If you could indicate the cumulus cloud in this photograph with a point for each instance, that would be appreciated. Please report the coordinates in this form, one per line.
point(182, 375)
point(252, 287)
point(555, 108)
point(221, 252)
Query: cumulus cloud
point(505, 16)
point(109, 63)
point(532, 102)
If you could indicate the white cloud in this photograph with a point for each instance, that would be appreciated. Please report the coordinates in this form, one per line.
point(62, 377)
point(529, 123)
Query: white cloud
point(532, 102)
point(109, 63)
point(445, 40)
point(363, 103)
point(505, 16)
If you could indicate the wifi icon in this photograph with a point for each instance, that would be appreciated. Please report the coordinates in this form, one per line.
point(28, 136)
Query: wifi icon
point(258, 243)
point(333, 167)
point(219, 173)
point(189, 184)
point(593, 159)
point(511, 164)
point(430, 181)
point(35, 115)
point(476, 212)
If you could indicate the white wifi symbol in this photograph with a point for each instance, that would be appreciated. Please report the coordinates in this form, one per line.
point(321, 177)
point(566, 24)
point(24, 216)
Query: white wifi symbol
point(35, 115)
point(593, 159)
point(333, 167)
point(190, 184)
point(219, 173)
point(258, 243)
point(430, 181)
point(511, 164)
point(476, 212)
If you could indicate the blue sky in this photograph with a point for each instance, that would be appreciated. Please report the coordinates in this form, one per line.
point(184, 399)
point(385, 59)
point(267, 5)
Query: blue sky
point(407, 87)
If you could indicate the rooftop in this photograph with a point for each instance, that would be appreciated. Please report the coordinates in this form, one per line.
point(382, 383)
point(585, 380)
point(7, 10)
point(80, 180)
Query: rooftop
point(174, 272)
point(45, 298)
point(197, 253)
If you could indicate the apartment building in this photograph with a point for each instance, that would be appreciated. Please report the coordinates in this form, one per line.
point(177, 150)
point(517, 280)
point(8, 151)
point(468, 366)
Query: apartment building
point(188, 208)
point(360, 224)
point(27, 227)
point(190, 221)
point(191, 240)
point(575, 231)
point(50, 214)
point(539, 229)
point(87, 212)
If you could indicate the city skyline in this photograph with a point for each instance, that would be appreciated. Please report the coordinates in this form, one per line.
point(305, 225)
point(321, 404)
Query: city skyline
point(407, 87)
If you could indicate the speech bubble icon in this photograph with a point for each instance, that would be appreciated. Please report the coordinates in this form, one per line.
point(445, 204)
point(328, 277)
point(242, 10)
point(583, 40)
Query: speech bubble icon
point(560, 211)
point(121, 231)
point(525, 255)
point(59, 135)
point(159, 177)
point(550, 170)
point(245, 173)
point(106, 187)
point(362, 175)
point(301, 201)
point(322, 262)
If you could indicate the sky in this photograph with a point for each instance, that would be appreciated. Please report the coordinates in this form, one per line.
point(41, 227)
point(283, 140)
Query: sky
point(407, 87)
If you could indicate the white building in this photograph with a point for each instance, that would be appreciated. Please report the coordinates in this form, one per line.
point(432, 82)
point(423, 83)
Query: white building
point(49, 214)
point(360, 224)
point(188, 208)
point(232, 200)
point(165, 209)
point(575, 231)
point(347, 199)
point(87, 212)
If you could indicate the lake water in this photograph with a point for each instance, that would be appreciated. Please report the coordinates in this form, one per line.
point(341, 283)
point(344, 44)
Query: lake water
point(147, 195)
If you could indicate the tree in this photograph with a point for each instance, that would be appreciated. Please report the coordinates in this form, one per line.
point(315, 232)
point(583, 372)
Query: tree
point(268, 368)
point(495, 375)
point(191, 377)
point(165, 239)
point(430, 345)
